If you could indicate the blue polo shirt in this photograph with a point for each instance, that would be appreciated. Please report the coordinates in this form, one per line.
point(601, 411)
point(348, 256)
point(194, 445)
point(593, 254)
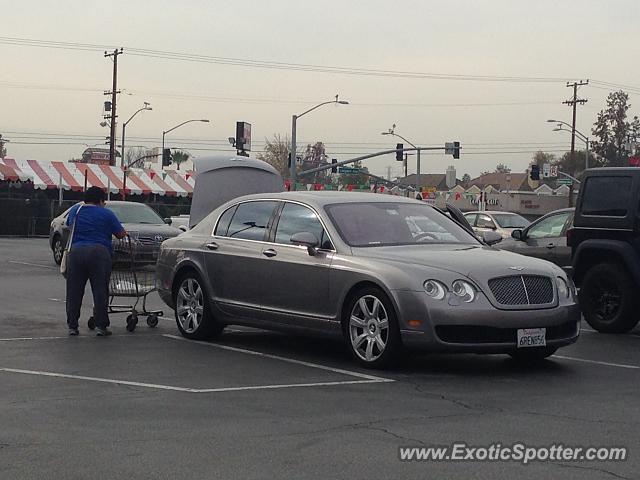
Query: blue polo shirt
point(95, 225)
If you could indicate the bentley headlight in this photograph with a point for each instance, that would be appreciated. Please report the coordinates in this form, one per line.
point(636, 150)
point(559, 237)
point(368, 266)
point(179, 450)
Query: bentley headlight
point(563, 288)
point(435, 289)
point(464, 290)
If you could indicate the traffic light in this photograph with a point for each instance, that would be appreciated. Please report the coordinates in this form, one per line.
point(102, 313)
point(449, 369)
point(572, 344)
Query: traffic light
point(399, 152)
point(535, 172)
point(334, 168)
point(166, 157)
point(456, 150)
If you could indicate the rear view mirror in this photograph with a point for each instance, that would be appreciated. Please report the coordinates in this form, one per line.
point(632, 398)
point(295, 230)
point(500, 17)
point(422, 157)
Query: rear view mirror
point(306, 239)
point(491, 237)
point(517, 234)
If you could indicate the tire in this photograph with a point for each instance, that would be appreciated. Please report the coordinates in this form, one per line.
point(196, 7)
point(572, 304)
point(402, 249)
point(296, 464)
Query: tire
point(58, 249)
point(91, 323)
point(609, 299)
point(532, 355)
point(192, 310)
point(152, 321)
point(370, 329)
point(132, 322)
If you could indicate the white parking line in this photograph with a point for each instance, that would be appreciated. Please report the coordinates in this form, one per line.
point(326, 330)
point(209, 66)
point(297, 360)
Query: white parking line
point(80, 337)
point(608, 364)
point(31, 264)
point(285, 359)
point(183, 389)
point(361, 377)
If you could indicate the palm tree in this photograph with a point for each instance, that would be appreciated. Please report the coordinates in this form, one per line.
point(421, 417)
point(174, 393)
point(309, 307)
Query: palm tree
point(179, 157)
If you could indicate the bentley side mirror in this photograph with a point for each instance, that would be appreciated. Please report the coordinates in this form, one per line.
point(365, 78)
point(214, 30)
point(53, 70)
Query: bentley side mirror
point(306, 239)
point(491, 237)
point(517, 234)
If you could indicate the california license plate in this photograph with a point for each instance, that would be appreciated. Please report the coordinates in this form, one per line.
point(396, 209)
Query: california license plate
point(532, 337)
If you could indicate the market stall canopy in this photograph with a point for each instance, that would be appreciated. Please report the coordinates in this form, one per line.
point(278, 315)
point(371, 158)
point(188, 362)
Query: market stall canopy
point(71, 176)
point(221, 178)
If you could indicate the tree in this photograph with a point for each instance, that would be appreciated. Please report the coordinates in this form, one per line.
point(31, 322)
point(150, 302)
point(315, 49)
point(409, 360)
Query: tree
point(576, 166)
point(179, 157)
point(276, 154)
point(614, 132)
point(134, 153)
point(466, 178)
point(502, 168)
point(540, 158)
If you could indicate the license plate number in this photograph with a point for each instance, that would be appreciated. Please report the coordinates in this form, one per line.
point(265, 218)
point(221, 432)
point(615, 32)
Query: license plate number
point(532, 337)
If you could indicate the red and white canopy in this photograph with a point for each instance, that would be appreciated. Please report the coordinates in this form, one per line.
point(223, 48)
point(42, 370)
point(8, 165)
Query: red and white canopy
point(72, 176)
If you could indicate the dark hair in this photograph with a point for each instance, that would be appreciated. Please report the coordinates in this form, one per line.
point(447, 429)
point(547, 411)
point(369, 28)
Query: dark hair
point(94, 195)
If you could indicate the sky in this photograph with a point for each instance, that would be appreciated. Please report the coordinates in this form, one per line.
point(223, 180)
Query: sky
point(51, 99)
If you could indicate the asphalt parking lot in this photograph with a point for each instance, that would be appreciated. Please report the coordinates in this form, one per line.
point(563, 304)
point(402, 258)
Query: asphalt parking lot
point(256, 404)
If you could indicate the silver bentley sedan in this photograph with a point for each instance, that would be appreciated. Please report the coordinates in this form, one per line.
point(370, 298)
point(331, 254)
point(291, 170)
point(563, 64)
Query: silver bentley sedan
point(383, 272)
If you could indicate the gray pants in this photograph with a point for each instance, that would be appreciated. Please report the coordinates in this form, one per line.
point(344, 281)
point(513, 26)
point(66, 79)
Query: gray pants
point(93, 263)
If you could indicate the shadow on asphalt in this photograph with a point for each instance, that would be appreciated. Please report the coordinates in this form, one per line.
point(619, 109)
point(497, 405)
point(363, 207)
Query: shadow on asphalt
point(330, 351)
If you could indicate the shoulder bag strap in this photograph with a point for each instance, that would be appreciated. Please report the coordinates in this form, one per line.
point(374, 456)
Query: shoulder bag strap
point(73, 228)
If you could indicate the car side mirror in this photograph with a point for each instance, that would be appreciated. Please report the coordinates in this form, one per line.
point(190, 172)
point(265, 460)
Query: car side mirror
point(491, 237)
point(168, 221)
point(306, 239)
point(517, 234)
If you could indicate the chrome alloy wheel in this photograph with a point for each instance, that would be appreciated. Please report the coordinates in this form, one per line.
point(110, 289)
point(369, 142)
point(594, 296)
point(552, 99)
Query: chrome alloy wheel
point(190, 305)
point(58, 251)
point(369, 328)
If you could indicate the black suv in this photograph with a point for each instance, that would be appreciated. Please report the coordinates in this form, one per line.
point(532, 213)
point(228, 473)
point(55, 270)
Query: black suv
point(605, 243)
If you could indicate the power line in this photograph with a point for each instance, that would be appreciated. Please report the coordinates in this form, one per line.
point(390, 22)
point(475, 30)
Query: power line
point(178, 56)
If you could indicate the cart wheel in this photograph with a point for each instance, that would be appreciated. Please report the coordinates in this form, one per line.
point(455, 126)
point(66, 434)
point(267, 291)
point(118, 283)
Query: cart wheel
point(152, 320)
point(91, 323)
point(132, 322)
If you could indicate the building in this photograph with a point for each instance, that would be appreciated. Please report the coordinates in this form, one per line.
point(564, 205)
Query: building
point(503, 182)
point(429, 181)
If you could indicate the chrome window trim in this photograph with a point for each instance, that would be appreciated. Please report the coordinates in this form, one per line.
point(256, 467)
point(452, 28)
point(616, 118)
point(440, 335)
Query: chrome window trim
point(215, 226)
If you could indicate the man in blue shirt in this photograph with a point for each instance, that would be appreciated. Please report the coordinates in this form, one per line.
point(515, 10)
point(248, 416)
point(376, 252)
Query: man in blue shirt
point(89, 258)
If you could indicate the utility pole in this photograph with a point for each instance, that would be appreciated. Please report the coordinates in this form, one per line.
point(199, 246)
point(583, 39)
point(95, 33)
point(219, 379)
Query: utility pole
point(114, 92)
point(2, 150)
point(573, 103)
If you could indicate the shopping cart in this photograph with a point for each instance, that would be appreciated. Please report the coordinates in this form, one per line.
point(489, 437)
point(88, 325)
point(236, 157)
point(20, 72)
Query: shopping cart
point(131, 277)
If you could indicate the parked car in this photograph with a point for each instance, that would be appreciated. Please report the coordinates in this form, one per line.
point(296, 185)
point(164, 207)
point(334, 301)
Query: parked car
point(546, 238)
point(180, 222)
point(501, 222)
point(146, 229)
point(381, 271)
point(605, 241)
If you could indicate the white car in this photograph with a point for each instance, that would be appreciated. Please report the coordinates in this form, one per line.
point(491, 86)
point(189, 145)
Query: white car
point(500, 222)
point(180, 222)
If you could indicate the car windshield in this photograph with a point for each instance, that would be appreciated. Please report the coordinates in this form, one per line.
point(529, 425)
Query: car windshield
point(374, 224)
point(135, 213)
point(510, 220)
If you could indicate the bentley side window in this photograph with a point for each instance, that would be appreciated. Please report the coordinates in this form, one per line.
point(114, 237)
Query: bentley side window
point(250, 220)
point(298, 218)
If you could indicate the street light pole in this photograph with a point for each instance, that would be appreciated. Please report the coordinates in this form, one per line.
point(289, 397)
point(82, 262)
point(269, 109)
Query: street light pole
point(294, 122)
point(204, 120)
point(580, 135)
point(124, 126)
point(392, 131)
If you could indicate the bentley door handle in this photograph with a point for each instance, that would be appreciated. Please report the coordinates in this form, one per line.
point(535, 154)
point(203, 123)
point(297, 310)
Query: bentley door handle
point(270, 253)
point(212, 246)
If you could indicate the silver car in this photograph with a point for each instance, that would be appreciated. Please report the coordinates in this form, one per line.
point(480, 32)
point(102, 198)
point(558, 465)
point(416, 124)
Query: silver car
point(384, 272)
point(503, 223)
